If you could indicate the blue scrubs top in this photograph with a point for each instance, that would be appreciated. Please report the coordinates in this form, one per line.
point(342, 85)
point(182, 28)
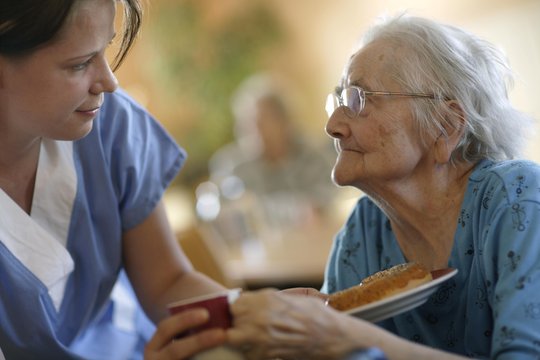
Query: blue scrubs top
point(123, 167)
point(491, 308)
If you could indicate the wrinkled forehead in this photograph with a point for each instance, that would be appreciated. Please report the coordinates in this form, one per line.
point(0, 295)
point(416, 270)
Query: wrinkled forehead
point(371, 66)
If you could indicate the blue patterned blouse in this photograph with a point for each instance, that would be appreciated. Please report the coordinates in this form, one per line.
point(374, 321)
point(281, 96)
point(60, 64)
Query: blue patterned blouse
point(491, 308)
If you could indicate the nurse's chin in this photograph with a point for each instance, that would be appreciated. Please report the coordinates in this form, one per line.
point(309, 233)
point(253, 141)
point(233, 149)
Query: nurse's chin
point(74, 134)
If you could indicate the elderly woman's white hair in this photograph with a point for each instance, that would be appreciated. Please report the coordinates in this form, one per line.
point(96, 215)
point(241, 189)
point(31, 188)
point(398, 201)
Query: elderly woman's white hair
point(457, 65)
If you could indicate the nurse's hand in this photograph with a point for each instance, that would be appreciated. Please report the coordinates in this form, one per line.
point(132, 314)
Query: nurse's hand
point(163, 344)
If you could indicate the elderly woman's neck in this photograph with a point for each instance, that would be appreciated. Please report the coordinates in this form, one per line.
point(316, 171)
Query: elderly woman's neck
point(424, 213)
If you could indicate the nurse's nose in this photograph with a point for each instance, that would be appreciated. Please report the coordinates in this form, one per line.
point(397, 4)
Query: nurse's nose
point(105, 81)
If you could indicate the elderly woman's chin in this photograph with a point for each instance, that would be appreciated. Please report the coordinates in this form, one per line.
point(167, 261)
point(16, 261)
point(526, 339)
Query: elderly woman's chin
point(343, 177)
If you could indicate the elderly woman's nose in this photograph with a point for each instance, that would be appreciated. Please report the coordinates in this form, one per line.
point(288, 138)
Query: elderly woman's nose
point(335, 127)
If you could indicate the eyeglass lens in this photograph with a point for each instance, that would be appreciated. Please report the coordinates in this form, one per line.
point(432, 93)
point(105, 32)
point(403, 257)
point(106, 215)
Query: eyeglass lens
point(332, 103)
point(352, 98)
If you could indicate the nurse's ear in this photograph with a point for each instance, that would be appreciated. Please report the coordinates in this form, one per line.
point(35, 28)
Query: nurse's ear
point(454, 127)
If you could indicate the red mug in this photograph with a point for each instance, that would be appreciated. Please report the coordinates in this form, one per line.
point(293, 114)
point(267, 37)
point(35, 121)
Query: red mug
point(217, 305)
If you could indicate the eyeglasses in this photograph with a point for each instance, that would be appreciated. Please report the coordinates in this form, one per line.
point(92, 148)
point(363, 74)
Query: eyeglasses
point(354, 98)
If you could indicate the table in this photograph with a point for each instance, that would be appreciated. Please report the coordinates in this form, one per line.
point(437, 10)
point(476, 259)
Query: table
point(240, 247)
point(295, 256)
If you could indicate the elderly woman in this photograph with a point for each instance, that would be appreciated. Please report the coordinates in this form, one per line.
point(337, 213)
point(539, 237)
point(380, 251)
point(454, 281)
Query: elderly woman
point(423, 126)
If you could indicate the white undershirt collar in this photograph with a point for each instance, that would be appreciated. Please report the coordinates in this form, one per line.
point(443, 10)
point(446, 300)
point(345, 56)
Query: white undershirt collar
point(39, 240)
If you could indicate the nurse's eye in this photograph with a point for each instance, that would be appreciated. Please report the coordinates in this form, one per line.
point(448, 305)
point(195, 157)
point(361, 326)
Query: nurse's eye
point(81, 66)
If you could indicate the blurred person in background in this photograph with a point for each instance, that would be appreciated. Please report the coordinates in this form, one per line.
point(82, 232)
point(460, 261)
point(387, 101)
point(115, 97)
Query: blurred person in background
point(272, 158)
point(82, 172)
point(423, 125)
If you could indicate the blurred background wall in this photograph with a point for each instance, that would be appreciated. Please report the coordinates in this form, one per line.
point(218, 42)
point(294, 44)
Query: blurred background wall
point(193, 53)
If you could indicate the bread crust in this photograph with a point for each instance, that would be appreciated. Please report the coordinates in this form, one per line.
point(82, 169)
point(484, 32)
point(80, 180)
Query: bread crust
point(381, 285)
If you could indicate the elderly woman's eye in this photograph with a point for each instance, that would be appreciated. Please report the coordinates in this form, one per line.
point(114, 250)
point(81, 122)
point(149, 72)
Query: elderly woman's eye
point(351, 99)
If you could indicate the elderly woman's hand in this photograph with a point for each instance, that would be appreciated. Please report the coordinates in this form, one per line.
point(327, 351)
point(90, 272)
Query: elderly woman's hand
point(271, 324)
point(164, 346)
point(306, 291)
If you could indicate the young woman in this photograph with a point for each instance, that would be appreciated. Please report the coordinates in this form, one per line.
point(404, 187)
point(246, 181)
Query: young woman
point(82, 172)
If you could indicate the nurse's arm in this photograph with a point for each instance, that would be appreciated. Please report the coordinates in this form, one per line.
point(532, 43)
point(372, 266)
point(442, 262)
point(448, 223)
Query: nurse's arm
point(157, 267)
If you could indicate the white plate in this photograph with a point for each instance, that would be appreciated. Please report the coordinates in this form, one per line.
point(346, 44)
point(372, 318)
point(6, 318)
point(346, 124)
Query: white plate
point(399, 303)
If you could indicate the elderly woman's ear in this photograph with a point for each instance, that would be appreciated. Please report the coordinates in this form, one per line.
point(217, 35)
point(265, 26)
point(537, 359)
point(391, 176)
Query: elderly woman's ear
point(454, 128)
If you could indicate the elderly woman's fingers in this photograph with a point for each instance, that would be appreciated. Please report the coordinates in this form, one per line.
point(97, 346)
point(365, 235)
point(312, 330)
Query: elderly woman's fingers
point(306, 291)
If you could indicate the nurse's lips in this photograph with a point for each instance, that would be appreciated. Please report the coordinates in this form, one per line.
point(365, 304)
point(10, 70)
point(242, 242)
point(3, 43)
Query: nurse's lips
point(90, 111)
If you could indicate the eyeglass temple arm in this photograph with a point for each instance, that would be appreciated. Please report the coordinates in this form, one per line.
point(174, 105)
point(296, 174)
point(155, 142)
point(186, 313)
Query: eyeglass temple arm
point(401, 94)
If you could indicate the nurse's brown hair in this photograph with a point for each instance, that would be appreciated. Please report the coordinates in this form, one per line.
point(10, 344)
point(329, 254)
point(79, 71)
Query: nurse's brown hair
point(26, 25)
